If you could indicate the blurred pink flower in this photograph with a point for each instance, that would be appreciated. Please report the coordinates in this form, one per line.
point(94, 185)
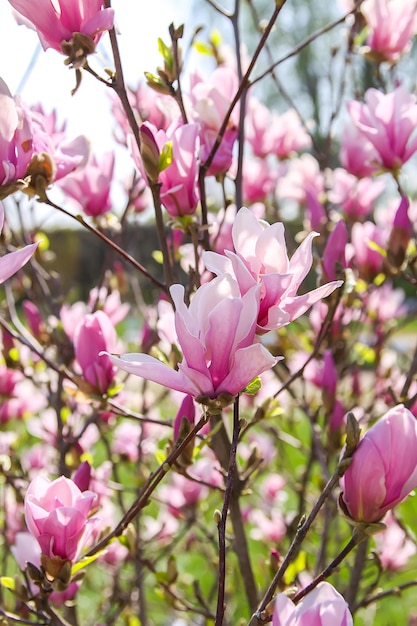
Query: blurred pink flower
point(393, 546)
point(210, 100)
point(57, 21)
point(392, 25)
point(216, 333)
point(269, 133)
point(90, 185)
point(355, 197)
point(57, 515)
point(259, 180)
point(323, 606)
point(357, 154)
point(261, 259)
point(388, 121)
point(334, 255)
point(13, 261)
point(94, 334)
point(384, 467)
point(16, 145)
point(363, 253)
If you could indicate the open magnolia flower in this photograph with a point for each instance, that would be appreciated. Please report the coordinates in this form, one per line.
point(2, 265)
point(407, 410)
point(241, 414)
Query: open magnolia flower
point(261, 258)
point(57, 22)
point(216, 333)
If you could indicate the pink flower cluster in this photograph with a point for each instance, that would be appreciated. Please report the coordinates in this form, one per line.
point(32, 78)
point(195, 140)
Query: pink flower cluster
point(255, 291)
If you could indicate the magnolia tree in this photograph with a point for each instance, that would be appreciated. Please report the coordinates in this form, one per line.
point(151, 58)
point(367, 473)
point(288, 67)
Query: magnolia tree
point(228, 435)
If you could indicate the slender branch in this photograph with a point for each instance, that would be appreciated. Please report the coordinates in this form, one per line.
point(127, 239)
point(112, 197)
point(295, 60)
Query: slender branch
point(221, 526)
point(307, 41)
point(118, 83)
point(299, 537)
point(148, 489)
point(394, 591)
point(222, 448)
point(20, 620)
point(244, 84)
point(352, 543)
point(138, 266)
point(355, 574)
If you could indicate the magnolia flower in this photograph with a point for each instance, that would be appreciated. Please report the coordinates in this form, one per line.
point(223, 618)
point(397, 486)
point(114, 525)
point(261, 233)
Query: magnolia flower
point(388, 121)
point(57, 21)
point(384, 467)
point(12, 262)
point(178, 177)
point(392, 24)
point(57, 514)
point(323, 606)
point(90, 186)
point(94, 334)
point(16, 146)
point(261, 259)
point(210, 100)
point(216, 333)
point(269, 133)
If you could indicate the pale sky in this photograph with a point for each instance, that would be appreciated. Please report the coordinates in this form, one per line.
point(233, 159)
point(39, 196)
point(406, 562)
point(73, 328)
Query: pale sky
point(41, 76)
point(50, 82)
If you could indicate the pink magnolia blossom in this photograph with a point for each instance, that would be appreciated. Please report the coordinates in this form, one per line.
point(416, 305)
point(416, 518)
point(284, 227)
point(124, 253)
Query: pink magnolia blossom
point(259, 180)
point(179, 180)
point(16, 146)
point(187, 412)
point(90, 186)
point(323, 606)
point(216, 333)
point(269, 133)
point(48, 139)
point(158, 109)
point(355, 197)
point(388, 121)
point(57, 515)
point(94, 334)
point(14, 261)
point(393, 546)
point(334, 254)
point(57, 21)
point(260, 258)
point(357, 154)
point(384, 467)
point(26, 550)
point(363, 253)
point(210, 101)
point(392, 24)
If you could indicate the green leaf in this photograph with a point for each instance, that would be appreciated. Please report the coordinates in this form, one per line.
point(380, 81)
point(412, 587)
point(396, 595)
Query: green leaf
point(85, 562)
point(298, 566)
point(166, 53)
point(253, 386)
point(158, 256)
point(160, 456)
point(7, 582)
point(203, 48)
point(165, 158)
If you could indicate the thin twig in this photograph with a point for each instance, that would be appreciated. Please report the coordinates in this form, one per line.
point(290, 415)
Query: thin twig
point(307, 41)
point(221, 526)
